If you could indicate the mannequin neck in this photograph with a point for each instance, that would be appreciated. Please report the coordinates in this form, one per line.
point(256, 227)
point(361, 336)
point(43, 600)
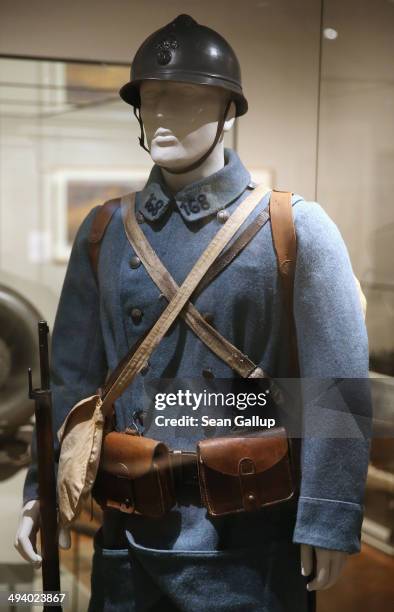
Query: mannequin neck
point(213, 163)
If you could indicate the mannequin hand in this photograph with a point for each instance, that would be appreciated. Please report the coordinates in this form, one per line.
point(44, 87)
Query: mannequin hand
point(329, 565)
point(25, 538)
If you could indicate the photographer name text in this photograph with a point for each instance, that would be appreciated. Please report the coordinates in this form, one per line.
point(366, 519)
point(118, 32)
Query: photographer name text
point(197, 401)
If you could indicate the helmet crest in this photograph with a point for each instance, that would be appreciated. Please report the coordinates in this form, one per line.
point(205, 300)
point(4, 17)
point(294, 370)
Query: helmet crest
point(164, 48)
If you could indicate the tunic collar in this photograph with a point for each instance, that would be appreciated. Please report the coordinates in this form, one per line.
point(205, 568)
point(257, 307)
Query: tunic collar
point(198, 199)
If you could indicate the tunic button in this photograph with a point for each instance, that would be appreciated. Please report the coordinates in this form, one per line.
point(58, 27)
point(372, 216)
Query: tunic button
point(140, 217)
point(207, 373)
point(135, 261)
point(136, 315)
point(222, 216)
point(145, 368)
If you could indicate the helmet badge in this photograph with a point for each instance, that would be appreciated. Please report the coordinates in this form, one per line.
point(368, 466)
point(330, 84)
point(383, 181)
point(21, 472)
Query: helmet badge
point(164, 50)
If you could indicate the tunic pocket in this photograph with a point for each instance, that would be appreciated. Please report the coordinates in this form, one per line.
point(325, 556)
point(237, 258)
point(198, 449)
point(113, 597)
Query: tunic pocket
point(232, 580)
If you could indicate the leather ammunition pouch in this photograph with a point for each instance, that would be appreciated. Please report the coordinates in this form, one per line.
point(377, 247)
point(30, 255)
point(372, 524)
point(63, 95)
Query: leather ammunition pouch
point(134, 475)
point(235, 473)
point(245, 473)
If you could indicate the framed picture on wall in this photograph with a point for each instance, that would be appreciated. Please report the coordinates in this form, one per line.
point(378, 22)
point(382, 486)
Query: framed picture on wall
point(73, 193)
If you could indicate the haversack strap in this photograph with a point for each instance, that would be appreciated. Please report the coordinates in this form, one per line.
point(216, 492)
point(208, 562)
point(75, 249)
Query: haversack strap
point(221, 262)
point(224, 349)
point(152, 339)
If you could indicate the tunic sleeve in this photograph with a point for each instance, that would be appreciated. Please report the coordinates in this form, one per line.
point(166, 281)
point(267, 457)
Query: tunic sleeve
point(333, 356)
point(77, 359)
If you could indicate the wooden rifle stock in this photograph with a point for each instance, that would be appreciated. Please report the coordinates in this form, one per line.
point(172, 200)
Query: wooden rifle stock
point(46, 470)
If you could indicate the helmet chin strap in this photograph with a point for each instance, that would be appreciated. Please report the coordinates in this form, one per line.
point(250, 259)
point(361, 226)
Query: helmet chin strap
point(197, 163)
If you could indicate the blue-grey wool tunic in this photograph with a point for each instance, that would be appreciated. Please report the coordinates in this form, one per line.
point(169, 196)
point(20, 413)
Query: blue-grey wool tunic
point(187, 561)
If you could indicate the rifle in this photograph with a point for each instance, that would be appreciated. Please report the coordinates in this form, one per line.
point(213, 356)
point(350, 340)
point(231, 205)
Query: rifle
point(46, 470)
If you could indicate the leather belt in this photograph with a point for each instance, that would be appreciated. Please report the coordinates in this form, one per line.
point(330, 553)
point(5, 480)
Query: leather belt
point(119, 490)
point(184, 468)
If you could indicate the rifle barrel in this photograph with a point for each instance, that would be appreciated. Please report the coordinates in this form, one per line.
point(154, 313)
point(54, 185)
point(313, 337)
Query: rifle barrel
point(46, 471)
point(44, 357)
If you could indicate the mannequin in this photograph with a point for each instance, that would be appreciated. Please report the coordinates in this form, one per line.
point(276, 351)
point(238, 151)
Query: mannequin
point(186, 135)
point(182, 119)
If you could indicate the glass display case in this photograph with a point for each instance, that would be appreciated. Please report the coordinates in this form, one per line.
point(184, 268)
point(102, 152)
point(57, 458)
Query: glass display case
point(319, 78)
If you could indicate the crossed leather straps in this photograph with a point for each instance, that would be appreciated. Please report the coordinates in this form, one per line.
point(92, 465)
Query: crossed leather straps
point(280, 211)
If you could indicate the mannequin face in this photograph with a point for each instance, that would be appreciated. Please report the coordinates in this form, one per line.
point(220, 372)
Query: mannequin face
point(181, 120)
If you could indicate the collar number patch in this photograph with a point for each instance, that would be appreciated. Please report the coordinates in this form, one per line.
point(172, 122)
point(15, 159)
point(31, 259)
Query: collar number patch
point(195, 205)
point(153, 205)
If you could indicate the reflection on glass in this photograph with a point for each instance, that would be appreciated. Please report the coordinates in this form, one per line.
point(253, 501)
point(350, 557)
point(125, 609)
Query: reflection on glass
point(356, 153)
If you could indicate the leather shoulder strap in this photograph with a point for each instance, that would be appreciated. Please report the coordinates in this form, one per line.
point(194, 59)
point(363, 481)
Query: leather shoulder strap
point(100, 222)
point(179, 300)
point(285, 245)
point(238, 361)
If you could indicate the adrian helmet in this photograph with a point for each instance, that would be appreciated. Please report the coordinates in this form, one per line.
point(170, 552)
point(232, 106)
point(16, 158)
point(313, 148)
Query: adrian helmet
point(184, 50)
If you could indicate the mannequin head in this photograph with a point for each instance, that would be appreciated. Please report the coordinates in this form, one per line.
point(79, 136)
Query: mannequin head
point(181, 121)
point(185, 83)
